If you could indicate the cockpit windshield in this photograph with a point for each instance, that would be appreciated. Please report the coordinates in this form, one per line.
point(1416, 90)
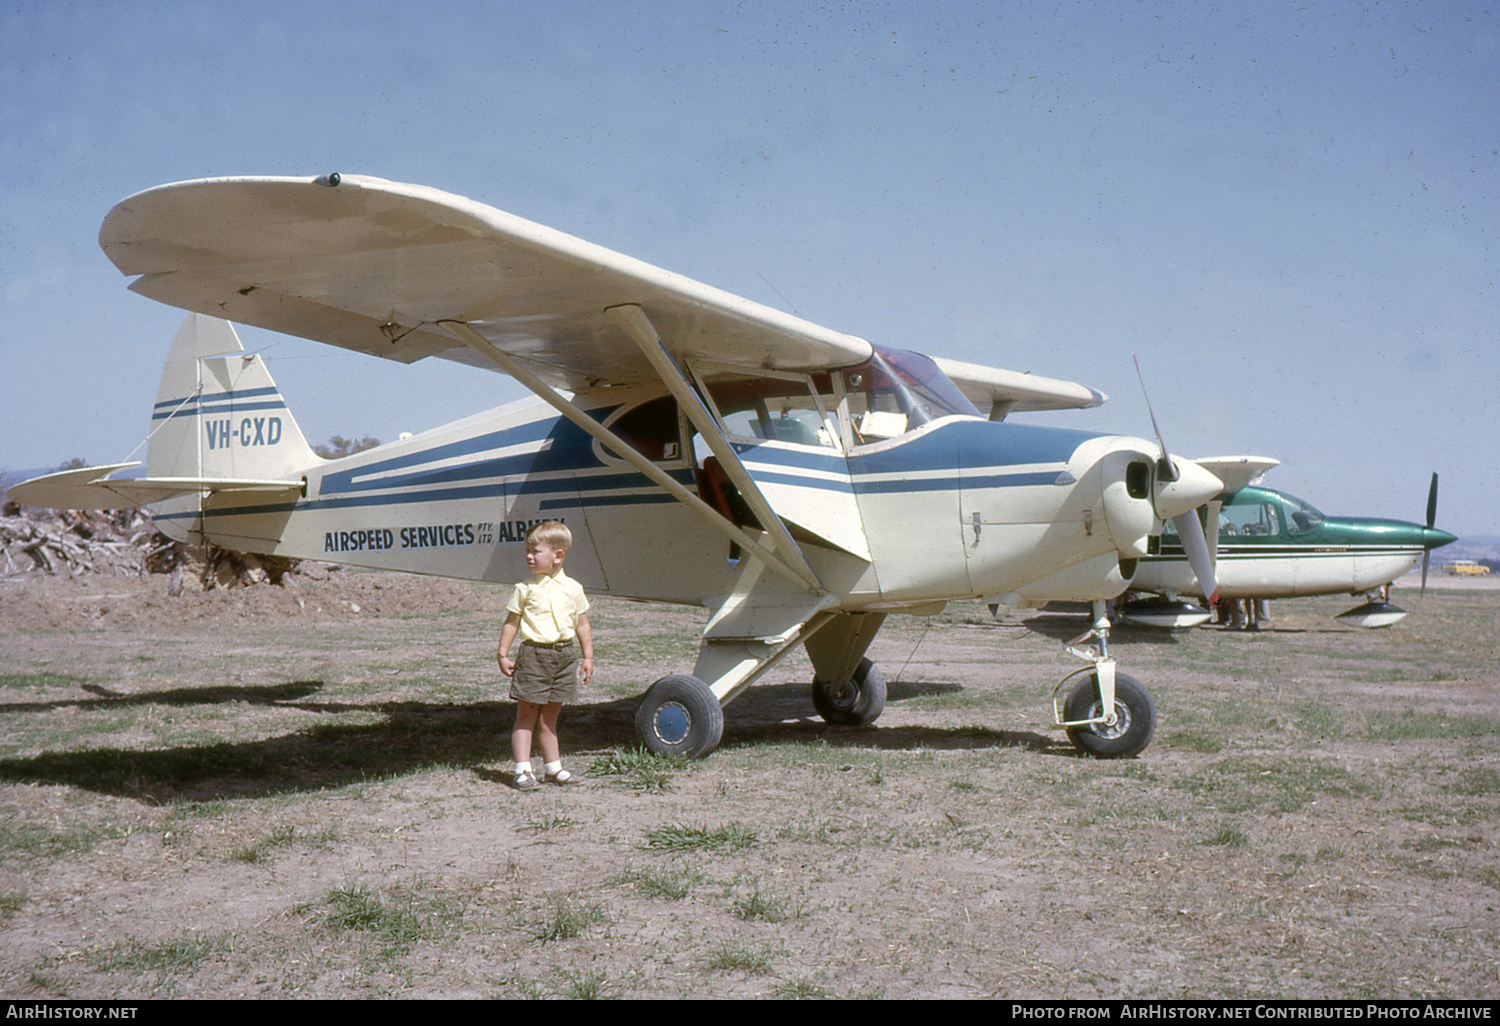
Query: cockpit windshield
point(898, 391)
point(1301, 517)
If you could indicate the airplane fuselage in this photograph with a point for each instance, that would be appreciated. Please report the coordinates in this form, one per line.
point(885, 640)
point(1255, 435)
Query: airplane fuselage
point(958, 507)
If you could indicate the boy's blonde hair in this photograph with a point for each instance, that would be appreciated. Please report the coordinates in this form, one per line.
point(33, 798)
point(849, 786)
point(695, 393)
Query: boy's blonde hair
point(552, 533)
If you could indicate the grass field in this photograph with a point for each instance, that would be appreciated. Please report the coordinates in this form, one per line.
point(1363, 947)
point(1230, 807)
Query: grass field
point(226, 803)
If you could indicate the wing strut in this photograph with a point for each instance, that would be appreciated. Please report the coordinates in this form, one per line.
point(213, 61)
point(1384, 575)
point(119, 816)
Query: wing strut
point(634, 322)
point(545, 392)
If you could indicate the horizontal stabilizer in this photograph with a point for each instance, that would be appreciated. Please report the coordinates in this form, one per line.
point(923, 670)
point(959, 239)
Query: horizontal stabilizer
point(92, 488)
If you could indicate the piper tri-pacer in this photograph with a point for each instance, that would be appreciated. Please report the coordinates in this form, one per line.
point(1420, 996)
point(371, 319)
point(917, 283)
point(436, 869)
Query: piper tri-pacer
point(800, 483)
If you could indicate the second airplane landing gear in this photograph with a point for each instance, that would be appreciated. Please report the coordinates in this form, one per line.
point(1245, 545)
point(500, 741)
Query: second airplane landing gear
point(1377, 610)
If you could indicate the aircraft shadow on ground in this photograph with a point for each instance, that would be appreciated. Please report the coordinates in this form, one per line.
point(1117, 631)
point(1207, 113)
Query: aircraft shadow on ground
point(413, 736)
point(1272, 629)
point(262, 694)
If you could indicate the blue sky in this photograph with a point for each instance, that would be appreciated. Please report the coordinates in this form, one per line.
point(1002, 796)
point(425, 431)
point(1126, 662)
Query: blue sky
point(1290, 214)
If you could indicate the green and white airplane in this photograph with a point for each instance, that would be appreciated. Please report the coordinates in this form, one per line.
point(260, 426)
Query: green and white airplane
point(1273, 545)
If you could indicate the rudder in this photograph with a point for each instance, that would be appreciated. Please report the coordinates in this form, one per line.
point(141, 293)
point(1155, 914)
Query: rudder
point(218, 414)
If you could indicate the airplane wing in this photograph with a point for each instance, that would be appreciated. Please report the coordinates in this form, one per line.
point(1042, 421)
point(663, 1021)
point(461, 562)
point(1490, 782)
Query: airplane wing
point(1237, 471)
point(999, 392)
point(91, 488)
point(373, 266)
point(406, 272)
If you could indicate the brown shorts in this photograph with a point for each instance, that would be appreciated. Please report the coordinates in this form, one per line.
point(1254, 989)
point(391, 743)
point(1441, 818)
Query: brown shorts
point(545, 674)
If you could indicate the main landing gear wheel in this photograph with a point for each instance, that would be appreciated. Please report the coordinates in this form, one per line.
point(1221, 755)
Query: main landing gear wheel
point(852, 703)
point(680, 716)
point(1134, 724)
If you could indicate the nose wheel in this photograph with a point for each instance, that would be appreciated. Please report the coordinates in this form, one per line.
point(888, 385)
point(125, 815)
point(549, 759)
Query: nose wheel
point(1106, 714)
point(1094, 734)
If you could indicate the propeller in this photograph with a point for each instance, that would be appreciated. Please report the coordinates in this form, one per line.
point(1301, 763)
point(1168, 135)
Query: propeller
point(1190, 530)
point(1431, 519)
point(1185, 478)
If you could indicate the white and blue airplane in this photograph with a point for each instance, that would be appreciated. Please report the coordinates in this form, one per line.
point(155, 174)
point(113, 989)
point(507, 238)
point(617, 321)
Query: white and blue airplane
point(800, 483)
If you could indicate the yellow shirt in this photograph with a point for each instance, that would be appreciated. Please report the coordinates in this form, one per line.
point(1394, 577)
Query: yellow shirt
point(549, 608)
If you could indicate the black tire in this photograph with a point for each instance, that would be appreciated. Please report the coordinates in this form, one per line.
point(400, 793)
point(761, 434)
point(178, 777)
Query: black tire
point(680, 716)
point(854, 703)
point(1133, 729)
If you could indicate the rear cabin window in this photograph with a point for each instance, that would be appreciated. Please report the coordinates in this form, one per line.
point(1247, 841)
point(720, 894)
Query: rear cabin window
point(652, 428)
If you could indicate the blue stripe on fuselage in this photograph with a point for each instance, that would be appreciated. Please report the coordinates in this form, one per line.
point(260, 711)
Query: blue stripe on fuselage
point(558, 476)
point(980, 449)
point(571, 450)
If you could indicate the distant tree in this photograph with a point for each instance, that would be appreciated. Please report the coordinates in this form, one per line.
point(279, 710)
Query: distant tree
point(338, 445)
point(76, 463)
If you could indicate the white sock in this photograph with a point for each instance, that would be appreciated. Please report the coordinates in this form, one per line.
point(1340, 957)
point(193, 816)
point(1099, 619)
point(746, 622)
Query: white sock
point(523, 767)
point(552, 769)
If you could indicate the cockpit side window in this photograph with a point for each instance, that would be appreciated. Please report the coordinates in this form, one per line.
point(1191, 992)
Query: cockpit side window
point(781, 409)
point(1257, 519)
point(892, 393)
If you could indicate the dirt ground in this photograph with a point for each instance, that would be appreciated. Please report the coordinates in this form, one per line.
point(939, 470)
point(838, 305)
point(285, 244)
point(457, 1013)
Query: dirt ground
point(303, 791)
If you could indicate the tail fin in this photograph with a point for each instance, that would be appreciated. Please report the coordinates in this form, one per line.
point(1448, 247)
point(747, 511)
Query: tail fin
point(219, 426)
point(218, 414)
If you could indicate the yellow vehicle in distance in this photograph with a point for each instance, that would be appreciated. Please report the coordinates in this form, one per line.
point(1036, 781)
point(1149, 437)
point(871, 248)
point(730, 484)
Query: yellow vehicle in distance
point(1465, 568)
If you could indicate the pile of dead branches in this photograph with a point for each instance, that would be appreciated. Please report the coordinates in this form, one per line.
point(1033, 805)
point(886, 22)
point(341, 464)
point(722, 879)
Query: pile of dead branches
point(74, 542)
point(122, 543)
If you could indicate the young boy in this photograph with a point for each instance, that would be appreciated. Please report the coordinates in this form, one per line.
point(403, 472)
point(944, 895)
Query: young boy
point(550, 614)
